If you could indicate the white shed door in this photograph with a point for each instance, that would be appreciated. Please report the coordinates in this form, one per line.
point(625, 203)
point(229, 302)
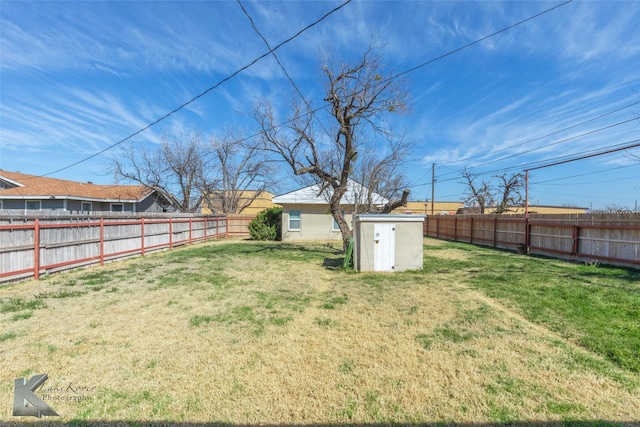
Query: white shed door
point(384, 240)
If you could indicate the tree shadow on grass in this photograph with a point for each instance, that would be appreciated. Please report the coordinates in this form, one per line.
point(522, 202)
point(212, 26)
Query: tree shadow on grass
point(333, 263)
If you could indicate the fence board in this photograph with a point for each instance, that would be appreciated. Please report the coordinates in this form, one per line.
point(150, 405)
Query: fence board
point(612, 238)
point(33, 245)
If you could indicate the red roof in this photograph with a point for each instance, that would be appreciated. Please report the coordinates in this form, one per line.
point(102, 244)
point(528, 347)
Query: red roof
point(38, 187)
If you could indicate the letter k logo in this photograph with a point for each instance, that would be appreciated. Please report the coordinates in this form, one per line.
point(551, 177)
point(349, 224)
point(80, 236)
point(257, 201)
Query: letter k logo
point(24, 395)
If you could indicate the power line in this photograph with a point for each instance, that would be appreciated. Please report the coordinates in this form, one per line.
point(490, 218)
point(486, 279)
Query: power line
point(550, 134)
point(548, 145)
point(558, 142)
point(410, 70)
point(631, 144)
point(587, 174)
point(561, 159)
point(284, 70)
point(175, 110)
point(312, 111)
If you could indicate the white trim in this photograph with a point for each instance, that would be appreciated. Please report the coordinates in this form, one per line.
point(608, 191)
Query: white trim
point(16, 183)
point(59, 197)
point(390, 218)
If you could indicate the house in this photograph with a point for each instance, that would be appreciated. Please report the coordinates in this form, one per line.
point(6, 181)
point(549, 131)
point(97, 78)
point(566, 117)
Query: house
point(19, 191)
point(306, 216)
point(429, 208)
point(253, 201)
point(533, 209)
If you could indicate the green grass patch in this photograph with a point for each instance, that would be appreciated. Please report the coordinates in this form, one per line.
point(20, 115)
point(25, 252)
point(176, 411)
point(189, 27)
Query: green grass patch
point(198, 320)
point(597, 307)
point(62, 294)
point(11, 305)
point(325, 322)
point(7, 336)
point(22, 316)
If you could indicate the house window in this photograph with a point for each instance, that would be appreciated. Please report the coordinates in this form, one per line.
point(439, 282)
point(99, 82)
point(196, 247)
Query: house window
point(294, 219)
point(335, 226)
point(117, 207)
point(86, 207)
point(34, 205)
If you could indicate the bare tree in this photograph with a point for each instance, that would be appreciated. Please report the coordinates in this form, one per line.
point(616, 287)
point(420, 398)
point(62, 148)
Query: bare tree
point(383, 175)
point(510, 188)
point(241, 176)
point(359, 97)
point(172, 169)
point(477, 194)
point(615, 209)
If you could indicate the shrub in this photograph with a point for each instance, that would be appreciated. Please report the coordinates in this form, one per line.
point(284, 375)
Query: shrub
point(266, 225)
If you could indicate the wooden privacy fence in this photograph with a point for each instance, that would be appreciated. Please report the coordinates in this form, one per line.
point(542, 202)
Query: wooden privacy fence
point(611, 238)
point(32, 247)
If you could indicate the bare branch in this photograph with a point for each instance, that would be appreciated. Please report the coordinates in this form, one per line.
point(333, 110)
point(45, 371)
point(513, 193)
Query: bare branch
point(358, 95)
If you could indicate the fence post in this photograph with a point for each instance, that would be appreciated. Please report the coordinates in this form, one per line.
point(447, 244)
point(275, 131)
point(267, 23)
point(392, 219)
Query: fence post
point(527, 234)
point(205, 228)
point(190, 230)
point(495, 231)
point(455, 229)
point(141, 236)
point(574, 247)
point(170, 233)
point(471, 231)
point(101, 240)
point(36, 249)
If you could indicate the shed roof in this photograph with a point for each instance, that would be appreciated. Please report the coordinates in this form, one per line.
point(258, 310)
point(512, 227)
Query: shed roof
point(390, 218)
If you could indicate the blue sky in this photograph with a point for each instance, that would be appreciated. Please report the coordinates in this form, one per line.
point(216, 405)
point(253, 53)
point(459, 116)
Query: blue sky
point(77, 77)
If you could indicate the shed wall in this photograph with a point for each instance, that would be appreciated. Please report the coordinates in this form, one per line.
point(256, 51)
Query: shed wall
point(408, 246)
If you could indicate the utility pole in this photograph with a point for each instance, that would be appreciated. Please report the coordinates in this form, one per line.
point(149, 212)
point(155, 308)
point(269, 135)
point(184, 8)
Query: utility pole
point(433, 185)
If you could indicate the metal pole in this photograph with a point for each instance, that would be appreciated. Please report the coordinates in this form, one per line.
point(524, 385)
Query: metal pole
point(433, 186)
point(526, 194)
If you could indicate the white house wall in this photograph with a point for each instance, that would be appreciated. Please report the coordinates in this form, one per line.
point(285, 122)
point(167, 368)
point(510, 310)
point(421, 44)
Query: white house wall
point(316, 223)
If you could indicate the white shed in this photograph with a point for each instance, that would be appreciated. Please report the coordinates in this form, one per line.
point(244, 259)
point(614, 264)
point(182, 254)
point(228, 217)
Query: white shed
point(388, 242)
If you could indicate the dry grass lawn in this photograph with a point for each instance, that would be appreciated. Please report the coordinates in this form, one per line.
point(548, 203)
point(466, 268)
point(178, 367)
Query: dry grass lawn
point(245, 333)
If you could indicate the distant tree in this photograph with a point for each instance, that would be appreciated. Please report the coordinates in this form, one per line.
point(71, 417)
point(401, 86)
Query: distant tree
point(238, 175)
point(174, 168)
point(509, 191)
point(226, 174)
point(506, 194)
point(477, 194)
point(615, 209)
point(359, 97)
point(383, 175)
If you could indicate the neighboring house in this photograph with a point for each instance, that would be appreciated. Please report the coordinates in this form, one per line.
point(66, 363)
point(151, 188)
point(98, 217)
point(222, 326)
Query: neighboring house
point(539, 209)
point(24, 192)
point(425, 208)
point(306, 216)
point(254, 203)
